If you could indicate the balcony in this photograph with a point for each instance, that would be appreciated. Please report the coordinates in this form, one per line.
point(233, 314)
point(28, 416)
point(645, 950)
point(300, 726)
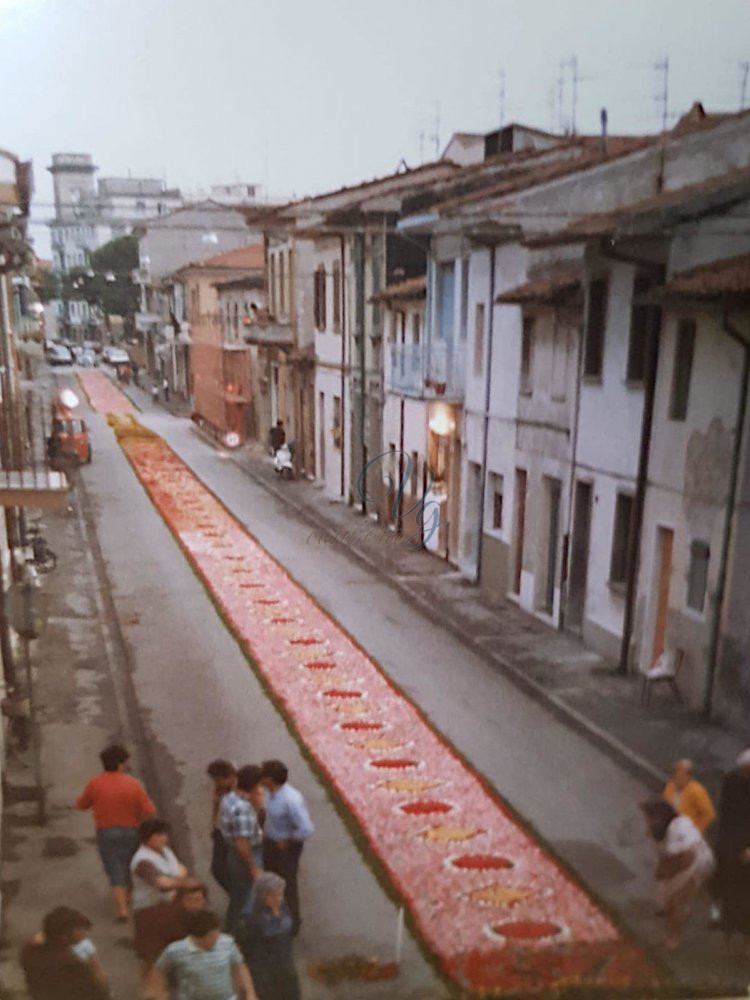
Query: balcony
point(269, 334)
point(427, 371)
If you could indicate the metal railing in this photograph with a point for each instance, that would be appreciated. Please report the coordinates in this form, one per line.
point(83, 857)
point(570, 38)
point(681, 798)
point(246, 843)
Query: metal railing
point(431, 370)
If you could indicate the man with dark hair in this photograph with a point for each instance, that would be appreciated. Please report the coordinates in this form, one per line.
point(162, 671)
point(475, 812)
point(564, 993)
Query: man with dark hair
point(205, 964)
point(223, 774)
point(240, 828)
point(277, 436)
point(61, 963)
point(120, 804)
point(287, 827)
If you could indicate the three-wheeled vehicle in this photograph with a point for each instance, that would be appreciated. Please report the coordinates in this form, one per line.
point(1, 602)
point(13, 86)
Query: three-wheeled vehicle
point(69, 438)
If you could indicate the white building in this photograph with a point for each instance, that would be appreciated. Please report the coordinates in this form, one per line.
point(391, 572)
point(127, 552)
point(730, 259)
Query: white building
point(89, 214)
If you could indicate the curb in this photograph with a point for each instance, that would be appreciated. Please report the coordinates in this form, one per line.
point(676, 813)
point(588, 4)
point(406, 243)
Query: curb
point(637, 765)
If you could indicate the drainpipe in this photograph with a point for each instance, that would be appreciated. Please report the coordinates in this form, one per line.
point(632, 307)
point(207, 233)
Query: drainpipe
point(487, 397)
point(564, 583)
point(632, 560)
point(342, 319)
point(359, 326)
point(712, 653)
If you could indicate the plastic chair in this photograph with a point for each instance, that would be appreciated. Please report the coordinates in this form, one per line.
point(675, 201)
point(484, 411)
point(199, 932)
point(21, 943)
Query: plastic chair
point(663, 671)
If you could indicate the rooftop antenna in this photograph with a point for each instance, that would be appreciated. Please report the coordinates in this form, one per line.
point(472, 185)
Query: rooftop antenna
point(574, 81)
point(421, 146)
point(662, 66)
point(436, 134)
point(501, 96)
point(744, 70)
point(560, 92)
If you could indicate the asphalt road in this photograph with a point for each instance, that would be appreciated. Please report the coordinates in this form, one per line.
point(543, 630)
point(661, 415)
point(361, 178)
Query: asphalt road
point(198, 699)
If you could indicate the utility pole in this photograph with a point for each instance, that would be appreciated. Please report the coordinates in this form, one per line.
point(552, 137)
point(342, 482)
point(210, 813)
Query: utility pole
point(574, 102)
point(421, 145)
point(744, 70)
point(560, 93)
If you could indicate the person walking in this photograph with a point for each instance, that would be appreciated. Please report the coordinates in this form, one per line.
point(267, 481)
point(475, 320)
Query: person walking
point(156, 874)
point(685, 863)
point(205, 965)
point(276, 436)
point(120, 804)
point(688, 796)
point(287, 827)
point(223, 774)
point(266, 940)
point(61, 962)
point(733, 849)
point(240, 826)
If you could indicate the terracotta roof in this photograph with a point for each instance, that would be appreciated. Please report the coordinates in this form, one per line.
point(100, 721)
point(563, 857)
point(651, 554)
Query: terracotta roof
point(673, 206)
point(403, 291)
point(698, 118)
point(251, 257)
point(721, 278)
point(545, 289)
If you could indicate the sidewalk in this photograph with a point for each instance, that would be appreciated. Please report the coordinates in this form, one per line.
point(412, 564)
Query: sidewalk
point(84, 702)
point(581, 687)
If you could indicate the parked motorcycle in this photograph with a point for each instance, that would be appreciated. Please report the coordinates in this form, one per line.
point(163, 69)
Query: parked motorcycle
point(282, 462)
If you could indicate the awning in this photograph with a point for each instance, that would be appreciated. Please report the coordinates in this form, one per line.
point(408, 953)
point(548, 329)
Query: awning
point(550, 289)
point(33, 488)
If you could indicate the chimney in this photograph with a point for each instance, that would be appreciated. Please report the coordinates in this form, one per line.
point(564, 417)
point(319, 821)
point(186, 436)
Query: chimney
point(603, 120)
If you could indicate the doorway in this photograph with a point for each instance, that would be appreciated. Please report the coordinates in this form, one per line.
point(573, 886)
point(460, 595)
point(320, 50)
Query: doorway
point(553, 539)
point(579, 556)
point(665, 541)
point(521, 478)
point(322, 434)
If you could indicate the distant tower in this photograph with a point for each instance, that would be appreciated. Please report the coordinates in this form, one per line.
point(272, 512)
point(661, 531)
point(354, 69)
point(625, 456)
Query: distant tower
point(73, 179)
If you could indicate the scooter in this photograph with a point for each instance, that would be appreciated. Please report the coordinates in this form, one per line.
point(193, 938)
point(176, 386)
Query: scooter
point(282, 462)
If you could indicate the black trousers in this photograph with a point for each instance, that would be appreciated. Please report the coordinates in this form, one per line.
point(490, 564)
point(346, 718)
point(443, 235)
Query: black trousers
point(285, 862)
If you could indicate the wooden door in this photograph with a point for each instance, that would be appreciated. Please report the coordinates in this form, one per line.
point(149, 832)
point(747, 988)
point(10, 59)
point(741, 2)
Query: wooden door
point(553, 533)
point(665, 542)
point(520, 527)
point(579, 556)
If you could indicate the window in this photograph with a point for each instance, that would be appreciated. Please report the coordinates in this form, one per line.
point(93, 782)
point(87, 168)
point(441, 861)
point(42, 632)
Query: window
point(319, 299)
point(596, 316)
point(336, 297)
point(416, 328)
point(478, 337)
point(393, 328)
point(618, 569)
point(463, 331)
point(683, 368)
point(640, 316)
point(414, 474)
point(272, 284)
point(446, 283)
point(559, 360)
point(282, 284)
point(527, 354)
point(495, 483)
point(697, 575)
point(392, 471)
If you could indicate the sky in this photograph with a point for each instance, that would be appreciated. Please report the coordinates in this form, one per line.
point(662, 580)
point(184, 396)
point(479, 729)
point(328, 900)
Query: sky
point(302, 96)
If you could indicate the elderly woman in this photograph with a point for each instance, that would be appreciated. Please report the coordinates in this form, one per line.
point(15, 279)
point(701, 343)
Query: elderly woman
point(685, 863)
point(156, 875)
point(265, 937)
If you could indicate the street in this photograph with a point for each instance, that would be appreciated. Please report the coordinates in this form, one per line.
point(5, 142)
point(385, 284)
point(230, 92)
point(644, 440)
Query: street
point(184, 694)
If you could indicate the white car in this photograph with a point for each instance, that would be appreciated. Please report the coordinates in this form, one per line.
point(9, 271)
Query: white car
point(59, 354)
point(115, 356)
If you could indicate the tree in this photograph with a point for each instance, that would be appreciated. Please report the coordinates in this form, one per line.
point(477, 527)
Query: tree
point(113, 265)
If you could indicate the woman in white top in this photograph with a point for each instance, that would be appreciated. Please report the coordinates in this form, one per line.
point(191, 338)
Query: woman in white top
point(685, 863)
point(156, 874)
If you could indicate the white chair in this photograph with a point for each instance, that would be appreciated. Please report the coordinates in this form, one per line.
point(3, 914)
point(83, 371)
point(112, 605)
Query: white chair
point(663, 671)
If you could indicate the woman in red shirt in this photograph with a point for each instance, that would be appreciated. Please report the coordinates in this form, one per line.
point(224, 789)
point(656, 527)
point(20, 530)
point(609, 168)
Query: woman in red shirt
point(120, 804)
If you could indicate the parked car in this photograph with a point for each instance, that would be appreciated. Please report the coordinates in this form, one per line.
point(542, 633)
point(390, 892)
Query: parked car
point(59, 354)
point(88, 359)
point(115, 356)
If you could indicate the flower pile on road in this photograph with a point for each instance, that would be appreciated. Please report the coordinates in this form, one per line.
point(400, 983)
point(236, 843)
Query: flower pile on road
point(497, 911)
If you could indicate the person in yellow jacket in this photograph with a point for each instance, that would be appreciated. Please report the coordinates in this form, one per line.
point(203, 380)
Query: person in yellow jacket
point(688, 796)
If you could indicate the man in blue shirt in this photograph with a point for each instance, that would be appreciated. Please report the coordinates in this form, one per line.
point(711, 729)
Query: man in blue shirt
point(287, 827)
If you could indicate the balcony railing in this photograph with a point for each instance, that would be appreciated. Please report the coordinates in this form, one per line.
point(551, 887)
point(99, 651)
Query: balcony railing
point(429, 371)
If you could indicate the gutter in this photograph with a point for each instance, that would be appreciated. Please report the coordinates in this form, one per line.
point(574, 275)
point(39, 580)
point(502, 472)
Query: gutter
point(487, 398)
point(712, 653)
